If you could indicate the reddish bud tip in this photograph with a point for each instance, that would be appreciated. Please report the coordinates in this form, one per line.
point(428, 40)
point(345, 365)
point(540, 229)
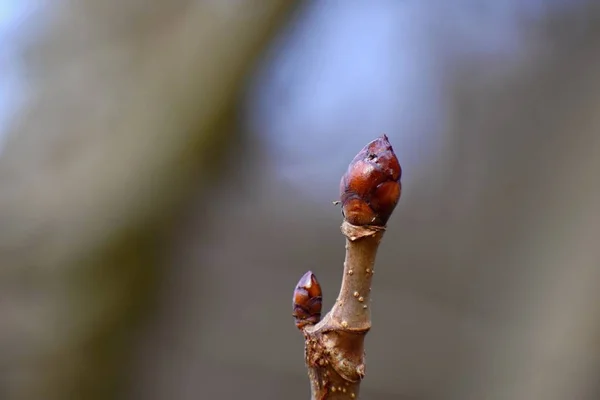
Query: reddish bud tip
point(307, 301)
point(370, 188)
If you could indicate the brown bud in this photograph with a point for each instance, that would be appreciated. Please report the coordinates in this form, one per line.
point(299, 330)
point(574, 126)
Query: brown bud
point(307, 301)
point(370, 188)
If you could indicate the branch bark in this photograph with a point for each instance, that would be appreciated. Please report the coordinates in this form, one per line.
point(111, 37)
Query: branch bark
point(334, 347)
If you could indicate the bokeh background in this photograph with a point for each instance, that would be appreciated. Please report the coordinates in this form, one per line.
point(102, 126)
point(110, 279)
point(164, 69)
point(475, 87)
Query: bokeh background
point(167, 171)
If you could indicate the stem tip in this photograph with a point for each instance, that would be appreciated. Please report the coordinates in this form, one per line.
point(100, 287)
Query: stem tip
point(370, 188)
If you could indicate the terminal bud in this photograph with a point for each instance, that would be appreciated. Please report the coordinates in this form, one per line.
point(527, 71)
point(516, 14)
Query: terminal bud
point(370, 188)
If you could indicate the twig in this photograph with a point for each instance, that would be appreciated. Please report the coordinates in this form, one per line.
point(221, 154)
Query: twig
point(334, 347)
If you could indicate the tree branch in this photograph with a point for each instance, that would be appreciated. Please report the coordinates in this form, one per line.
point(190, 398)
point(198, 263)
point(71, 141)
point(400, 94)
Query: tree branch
point(334, 347)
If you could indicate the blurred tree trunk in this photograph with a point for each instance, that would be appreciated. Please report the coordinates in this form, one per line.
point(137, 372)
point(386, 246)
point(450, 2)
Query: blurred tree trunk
point(121, 109)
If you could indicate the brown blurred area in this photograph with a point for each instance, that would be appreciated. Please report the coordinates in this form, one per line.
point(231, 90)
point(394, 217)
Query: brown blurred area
point(167, 171)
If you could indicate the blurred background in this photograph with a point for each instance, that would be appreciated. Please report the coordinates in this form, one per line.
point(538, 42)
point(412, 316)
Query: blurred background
point(167, 171)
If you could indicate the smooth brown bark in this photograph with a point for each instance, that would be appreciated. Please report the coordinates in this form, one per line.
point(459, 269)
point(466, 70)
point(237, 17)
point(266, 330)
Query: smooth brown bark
point(334, 348)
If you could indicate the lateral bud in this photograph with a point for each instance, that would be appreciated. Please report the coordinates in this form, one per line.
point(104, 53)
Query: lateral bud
point(370, 188)
point(307, 301)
